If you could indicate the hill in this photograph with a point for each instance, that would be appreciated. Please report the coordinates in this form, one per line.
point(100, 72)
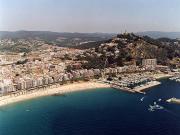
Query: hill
point(159, 34)
point(60, 39)
point(128, 48)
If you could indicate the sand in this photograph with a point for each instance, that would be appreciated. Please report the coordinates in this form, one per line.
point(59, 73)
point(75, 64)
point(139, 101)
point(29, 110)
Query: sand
point(81, 86)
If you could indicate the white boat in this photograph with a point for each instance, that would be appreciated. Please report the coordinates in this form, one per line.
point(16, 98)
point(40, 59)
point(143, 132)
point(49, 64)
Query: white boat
point(142, 99)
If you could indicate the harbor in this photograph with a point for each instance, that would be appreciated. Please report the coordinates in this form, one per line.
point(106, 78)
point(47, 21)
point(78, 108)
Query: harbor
point(134, 83)
point(146, 86)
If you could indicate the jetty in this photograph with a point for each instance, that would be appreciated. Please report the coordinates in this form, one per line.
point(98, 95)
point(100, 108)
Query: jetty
point(141, 88)
point(138, 89)
point(173, 100)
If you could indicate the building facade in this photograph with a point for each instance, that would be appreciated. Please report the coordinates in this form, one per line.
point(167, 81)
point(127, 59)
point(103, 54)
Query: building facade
point(149, 63)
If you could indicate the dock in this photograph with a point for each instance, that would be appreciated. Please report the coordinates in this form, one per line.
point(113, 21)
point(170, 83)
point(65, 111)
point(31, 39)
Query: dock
point(173, 100)
point(139, 89)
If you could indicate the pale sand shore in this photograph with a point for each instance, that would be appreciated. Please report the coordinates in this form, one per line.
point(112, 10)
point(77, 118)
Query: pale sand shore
point(5, 100)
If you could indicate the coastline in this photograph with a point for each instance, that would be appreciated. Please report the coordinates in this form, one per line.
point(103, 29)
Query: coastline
point(72, 87)
point(80, 86)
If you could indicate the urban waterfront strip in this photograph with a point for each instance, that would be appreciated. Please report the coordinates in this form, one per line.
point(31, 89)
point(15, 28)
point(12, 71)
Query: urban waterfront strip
point(61, 89)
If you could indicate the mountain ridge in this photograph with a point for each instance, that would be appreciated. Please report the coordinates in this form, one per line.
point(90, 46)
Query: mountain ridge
point(160, 34)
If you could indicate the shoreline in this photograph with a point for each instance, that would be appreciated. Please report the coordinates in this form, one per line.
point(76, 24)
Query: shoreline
point(71, 87)
point(62, 89)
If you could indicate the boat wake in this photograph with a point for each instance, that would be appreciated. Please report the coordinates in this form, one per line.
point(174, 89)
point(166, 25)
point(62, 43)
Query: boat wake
point(155, 107)
point(142, 99)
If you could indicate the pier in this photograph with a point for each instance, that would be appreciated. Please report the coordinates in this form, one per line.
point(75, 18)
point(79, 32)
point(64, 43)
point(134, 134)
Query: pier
point(138, 89)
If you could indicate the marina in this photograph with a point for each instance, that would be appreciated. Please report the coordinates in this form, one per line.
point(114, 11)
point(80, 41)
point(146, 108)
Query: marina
point(134, 83)
point(138, 89)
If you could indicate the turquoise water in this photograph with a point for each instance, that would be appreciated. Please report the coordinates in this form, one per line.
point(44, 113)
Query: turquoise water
point(95, 112)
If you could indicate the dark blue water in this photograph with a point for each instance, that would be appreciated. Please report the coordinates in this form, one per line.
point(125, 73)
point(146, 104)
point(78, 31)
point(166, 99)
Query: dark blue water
point(95, 112)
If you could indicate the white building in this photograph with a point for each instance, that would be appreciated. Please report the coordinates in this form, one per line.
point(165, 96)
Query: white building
point(149, 63)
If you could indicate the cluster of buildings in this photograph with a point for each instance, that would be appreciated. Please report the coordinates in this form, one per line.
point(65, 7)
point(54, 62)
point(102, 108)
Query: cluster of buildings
point(38, 72)
point(27, 83)
point(51, 64)
point(39, 68)
point(9, 58)
point(26, 43)
point(134, 80)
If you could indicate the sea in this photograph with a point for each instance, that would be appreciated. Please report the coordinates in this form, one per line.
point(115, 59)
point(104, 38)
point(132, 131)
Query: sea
point(96, 112)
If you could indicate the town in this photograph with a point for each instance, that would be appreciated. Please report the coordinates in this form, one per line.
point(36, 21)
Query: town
point(52, 65)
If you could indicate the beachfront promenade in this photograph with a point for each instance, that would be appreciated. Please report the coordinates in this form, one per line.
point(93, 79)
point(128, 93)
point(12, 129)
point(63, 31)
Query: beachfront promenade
point(61, 89)
point(71, 87)
point(55, 89)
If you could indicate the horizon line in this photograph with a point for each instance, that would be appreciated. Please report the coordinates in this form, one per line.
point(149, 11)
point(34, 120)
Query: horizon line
point(88, 32)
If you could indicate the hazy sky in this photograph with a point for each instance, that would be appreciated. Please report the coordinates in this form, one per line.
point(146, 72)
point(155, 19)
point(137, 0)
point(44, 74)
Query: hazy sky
point(90, 15)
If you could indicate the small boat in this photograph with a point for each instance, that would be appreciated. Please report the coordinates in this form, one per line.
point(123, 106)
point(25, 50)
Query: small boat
point(151, 108)
point(160, 100)
point(142, 99)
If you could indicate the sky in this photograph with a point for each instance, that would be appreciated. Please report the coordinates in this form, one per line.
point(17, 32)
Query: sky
point(109, 16)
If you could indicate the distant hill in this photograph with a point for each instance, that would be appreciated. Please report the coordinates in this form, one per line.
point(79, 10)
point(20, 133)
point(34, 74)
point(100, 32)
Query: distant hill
point(159, 34)
point(60, 39)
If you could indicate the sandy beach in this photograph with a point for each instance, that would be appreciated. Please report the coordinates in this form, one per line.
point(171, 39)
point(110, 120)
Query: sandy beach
point(5, 100)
